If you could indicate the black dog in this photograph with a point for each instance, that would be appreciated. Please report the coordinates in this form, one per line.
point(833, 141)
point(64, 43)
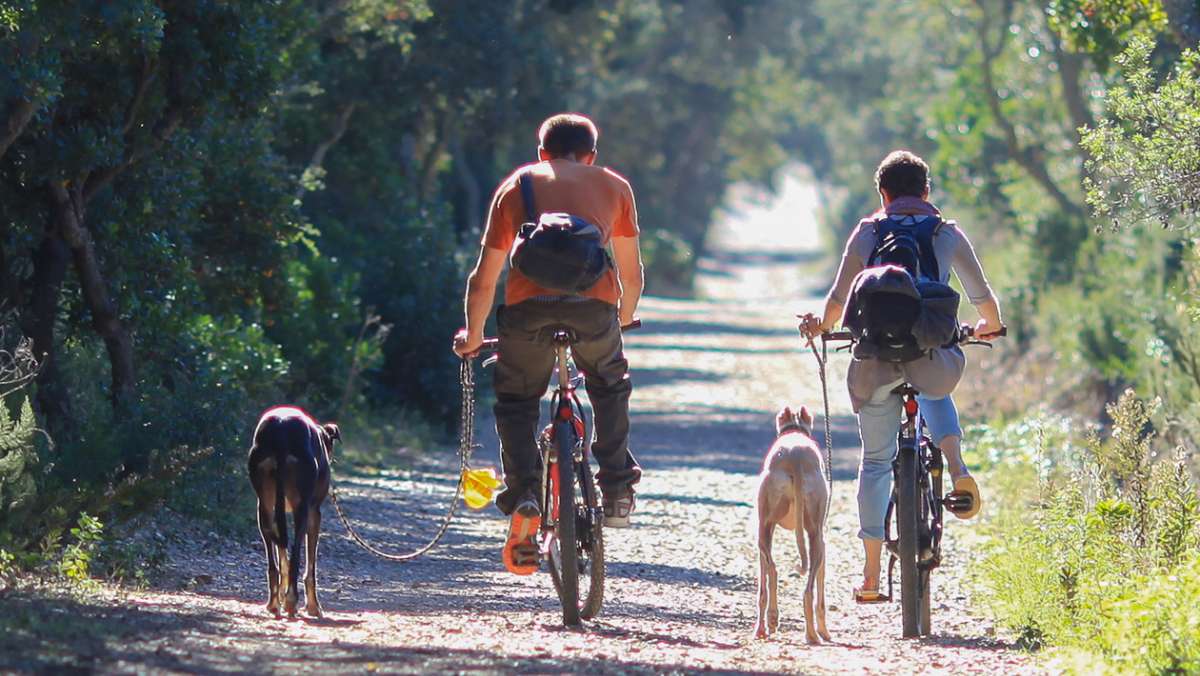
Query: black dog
point(289, 469)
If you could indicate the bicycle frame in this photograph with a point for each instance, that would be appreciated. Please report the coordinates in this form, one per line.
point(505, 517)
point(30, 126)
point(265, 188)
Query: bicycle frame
point(564, 407)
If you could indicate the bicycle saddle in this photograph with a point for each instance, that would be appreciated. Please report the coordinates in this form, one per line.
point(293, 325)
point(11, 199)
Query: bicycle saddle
point(561, 335)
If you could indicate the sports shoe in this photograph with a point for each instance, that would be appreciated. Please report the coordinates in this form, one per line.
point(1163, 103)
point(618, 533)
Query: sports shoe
point(520, 552)
point(617, 508)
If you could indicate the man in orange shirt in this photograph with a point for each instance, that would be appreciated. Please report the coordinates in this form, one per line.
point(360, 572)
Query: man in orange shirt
point(565, 179)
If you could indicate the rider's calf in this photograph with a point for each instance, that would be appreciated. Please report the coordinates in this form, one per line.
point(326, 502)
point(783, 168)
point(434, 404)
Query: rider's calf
point(289, 469)
point(792, 493)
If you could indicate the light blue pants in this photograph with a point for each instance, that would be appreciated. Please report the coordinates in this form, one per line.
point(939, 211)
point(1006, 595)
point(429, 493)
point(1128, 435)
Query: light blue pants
point(878, 424)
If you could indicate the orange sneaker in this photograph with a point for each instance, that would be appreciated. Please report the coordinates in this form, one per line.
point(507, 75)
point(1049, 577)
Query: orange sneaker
point(521, 556)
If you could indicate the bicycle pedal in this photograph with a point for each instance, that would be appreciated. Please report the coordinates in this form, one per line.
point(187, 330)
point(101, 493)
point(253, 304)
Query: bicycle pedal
point(958, 502)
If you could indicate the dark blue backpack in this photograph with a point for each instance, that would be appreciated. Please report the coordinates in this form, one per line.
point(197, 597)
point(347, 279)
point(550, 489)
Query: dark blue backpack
point(557, 250)
point(899, 309)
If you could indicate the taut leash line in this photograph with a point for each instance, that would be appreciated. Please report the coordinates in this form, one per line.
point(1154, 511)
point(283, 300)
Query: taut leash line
point(822, 358)
point(466, 445)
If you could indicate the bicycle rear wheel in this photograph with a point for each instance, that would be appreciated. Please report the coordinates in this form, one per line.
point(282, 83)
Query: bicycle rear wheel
point(907, 519)
point(564, 562)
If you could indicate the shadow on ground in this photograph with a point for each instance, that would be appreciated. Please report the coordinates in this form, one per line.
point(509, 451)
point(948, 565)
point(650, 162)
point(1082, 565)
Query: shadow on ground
point(52, 632)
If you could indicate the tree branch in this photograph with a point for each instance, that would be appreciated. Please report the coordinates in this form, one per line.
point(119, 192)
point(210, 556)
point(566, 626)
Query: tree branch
point(163, 131)
point(340, 125)
point(149, 72)
point(1029, 158)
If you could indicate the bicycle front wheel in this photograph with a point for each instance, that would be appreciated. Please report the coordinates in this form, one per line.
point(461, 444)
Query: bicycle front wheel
point(907, 520)
point(564, 560)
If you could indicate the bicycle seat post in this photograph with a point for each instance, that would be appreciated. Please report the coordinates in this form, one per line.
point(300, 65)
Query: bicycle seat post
point(562, 340)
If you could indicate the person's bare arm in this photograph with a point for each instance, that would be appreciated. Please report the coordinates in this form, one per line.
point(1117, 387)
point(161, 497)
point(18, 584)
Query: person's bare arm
point(627, 255)
point(989, 319)
point(970, 273)
point(835, 303)
point(481, 293)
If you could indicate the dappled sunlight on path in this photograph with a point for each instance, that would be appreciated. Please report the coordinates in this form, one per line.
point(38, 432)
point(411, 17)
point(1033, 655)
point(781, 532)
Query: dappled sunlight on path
point(709, 375)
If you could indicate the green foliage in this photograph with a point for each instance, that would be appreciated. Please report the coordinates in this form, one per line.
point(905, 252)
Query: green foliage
point(18, 461)
point(1095, 541)
point(672, 260)
point(1146, 159)
point(77, 556)
point(1102, 28)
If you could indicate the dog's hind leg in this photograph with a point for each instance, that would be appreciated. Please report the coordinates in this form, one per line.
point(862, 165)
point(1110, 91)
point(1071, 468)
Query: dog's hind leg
point(264, 529)
point(768, 611)
point(312, 536)
point(300, 518)
point(814, 525)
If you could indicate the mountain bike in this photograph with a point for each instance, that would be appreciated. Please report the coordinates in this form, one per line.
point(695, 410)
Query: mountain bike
point(915, 510)
point(571, 538)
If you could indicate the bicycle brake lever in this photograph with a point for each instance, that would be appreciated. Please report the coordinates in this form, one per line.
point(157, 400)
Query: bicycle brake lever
point(491, 360)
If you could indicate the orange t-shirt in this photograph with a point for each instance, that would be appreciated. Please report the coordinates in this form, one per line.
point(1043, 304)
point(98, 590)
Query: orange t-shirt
point(596, 194)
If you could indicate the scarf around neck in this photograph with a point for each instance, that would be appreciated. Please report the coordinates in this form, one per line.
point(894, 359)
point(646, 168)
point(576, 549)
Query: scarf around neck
point(908, 206)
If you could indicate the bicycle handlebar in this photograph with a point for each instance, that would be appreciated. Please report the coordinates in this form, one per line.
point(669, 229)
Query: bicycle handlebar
point(493, 344)
point(966, 335)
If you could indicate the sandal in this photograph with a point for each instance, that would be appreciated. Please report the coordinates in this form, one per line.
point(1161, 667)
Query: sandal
point(864, 595)
point(964, 501)
point(520, 550)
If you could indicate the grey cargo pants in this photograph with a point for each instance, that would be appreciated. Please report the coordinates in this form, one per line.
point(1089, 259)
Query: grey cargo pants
point(526, 363)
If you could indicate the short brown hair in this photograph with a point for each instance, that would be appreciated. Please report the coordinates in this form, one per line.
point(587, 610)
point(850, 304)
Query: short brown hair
point(902, 174)
point(568, 134)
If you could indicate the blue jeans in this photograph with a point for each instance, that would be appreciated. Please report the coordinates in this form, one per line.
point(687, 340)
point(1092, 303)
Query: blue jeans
point(878, 424)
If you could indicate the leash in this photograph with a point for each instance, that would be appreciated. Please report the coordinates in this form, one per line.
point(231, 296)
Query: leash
point(822, 358)
point(466, 445)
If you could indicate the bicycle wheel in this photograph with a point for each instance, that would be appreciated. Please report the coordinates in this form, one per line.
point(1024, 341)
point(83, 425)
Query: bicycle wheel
point(590, 533)
point(907, 519)
point(564, 562)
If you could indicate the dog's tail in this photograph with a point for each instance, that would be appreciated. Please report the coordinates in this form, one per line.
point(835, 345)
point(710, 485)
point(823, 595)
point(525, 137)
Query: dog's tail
point(275, 435)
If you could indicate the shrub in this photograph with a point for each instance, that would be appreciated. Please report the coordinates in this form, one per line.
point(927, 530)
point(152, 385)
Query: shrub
point(1105, 532)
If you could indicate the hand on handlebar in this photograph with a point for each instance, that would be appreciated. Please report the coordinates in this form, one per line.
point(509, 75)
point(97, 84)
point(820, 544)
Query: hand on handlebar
point(811, 325)
point(466, 345)
point(987, 331)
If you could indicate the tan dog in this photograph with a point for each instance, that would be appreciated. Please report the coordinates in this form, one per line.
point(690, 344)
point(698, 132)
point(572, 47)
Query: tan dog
point(792, 494)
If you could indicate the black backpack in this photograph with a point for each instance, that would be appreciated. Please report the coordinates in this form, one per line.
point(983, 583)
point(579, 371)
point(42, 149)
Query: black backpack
point(557, 250)
point(898, 308)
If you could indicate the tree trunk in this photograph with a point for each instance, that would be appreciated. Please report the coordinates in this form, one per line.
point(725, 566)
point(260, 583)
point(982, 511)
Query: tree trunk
point(68, 206)
point(470, 185)
point(50, 262)
point(19, 116)
point(1183, 22)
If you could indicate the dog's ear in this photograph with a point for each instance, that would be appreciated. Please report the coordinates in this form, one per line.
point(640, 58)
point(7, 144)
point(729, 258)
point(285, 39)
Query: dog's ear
point(805, 417)
point(332, 430)
point(783, 418)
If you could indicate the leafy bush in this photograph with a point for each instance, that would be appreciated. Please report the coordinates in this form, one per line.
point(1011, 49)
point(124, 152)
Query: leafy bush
point(669, 263)
point(1108, 526)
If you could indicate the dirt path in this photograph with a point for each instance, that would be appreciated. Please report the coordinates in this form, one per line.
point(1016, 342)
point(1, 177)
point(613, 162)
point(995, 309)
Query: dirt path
point(709, 375)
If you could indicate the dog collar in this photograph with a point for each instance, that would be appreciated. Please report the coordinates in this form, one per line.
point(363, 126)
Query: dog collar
point(791, 427)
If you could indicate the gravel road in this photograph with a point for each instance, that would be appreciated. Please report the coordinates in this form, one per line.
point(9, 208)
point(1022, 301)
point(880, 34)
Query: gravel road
point(709, 375)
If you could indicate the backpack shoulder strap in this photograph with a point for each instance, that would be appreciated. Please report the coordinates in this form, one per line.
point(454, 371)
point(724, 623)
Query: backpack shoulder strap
point(526, 183)
point(880, 226)
point(926, 230)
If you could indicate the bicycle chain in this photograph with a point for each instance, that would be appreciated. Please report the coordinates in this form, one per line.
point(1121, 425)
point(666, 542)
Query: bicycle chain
point(466, 446)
